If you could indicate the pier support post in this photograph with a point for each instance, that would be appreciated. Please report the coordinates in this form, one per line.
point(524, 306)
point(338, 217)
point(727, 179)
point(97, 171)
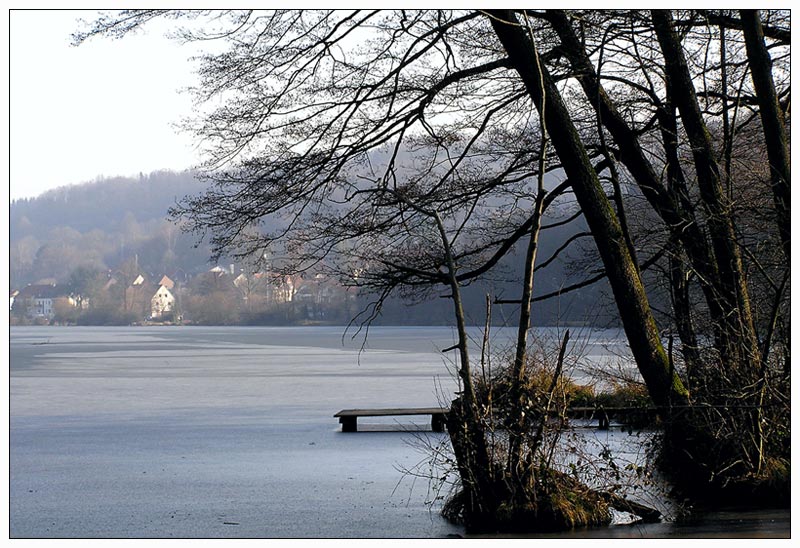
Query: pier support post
point(349, 424)
point(602, 417)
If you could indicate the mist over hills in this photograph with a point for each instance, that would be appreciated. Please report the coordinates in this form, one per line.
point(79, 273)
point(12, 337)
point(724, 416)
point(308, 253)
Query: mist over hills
point(101, 224)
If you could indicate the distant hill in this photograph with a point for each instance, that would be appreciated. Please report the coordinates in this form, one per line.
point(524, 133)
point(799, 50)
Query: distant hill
point(101, 204)
point(101, 224)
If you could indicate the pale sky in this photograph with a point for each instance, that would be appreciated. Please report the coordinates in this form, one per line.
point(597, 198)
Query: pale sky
point(104, 108)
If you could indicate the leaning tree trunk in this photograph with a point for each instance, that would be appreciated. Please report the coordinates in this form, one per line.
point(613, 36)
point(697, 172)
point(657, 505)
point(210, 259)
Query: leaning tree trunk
point(771, 121)
point(664, 385)
point(741, 354)
point(672, 203)
point(740, 452)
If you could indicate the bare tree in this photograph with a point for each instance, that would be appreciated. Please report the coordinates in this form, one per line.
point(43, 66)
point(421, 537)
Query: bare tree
point(406, 151)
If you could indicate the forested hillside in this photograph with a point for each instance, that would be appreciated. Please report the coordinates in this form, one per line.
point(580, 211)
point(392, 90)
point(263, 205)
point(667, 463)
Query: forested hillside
point(101, 224)
point(71, 233)
point(101, 204)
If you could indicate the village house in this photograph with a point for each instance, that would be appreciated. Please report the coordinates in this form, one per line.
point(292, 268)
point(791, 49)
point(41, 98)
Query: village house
point(163, 302)
point(40, 300)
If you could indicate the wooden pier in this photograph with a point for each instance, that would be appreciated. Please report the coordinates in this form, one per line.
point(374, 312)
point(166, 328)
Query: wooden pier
point(603, 415)
point(349, 417)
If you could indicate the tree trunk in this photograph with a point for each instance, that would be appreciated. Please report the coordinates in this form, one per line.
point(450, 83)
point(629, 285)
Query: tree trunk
point(464, 425)
point(682, 308)
point(740, 350)
point(518, 392)
point(672, 204)
point(771, 121)
point(518, 396)
point(663, 384)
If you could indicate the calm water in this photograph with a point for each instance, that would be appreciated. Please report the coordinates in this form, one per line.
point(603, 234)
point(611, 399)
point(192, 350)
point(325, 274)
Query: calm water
point(228, 432)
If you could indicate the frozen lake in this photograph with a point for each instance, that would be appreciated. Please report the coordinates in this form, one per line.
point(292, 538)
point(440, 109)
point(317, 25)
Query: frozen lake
point(227, 432)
